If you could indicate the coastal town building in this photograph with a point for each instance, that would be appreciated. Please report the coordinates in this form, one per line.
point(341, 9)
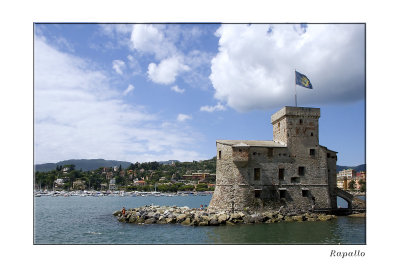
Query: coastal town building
point(79, 185)
point(139, 182)
point(103, 186)
point(112, 185)
point(350, 180)
point(341, 183)
point(348, 174)
point(58, 183)
point(293, 171)
point(198, 176)
point(109, 175)
point(361, 175)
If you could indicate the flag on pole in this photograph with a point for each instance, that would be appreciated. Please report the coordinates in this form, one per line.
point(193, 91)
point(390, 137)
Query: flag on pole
point(302, 80)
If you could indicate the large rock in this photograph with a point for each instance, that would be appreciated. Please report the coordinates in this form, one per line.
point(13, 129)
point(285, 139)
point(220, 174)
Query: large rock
point(324, 217)
point(214, 222)
point(150, 215)
point(195, 221)
point(140, 219)
point(249, 219)
point(122, 218)
point(223, 218)
point(235, 216)
point(117, 213)
point(170, 220)
point(330, 217)
point(162, 221)
point(288, 219)
point(204, 219)
point(257, 218)
point(180, 218)
point(133, 218)
point(266, 216)
point(186, 221)
point(150, 220)
point(298, 218)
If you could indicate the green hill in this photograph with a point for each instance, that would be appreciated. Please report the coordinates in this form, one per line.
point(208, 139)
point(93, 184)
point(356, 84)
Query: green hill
point(93, 164)
point(84, 164)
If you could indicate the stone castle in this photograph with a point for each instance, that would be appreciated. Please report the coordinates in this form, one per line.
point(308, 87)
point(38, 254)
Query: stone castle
point(293, 171)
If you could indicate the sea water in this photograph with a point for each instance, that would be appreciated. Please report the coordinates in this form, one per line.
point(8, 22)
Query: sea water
point(89, 220)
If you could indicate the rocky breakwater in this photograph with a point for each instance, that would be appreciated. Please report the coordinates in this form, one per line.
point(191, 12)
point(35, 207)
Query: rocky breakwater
point(199, 217)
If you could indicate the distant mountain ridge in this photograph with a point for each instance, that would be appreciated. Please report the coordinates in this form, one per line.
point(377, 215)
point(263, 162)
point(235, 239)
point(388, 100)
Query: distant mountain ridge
point(84, 164)
point(358, 168)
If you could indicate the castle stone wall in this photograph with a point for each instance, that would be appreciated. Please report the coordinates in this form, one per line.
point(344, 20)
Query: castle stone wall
point(260, 175)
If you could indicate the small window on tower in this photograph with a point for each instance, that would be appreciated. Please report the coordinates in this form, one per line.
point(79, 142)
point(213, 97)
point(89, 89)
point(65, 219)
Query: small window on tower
point(312, 134)
point(257, 193)
point(295, 180)
point(302, 170)
point(281, 174)
point(305, 192)
point(312, 152)
point(256, 174)
point(301, 121)
point(270, 152)
point(219, 154)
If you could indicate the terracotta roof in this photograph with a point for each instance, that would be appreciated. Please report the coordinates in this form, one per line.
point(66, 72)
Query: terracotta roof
point(240, 143)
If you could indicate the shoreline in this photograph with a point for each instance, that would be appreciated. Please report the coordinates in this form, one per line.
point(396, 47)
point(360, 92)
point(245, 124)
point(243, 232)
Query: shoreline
point(94, 193)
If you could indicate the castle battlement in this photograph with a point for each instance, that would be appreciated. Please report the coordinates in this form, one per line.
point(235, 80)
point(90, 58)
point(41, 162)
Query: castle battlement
point(295, 111)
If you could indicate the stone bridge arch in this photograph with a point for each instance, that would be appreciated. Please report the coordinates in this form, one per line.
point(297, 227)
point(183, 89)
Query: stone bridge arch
point(346, 196)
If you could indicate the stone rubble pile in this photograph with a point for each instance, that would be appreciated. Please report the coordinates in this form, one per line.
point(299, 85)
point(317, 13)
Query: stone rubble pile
point(198, 217)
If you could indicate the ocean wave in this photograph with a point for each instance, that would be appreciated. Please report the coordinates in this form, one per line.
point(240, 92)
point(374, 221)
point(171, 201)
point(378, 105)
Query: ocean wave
point(93, 233)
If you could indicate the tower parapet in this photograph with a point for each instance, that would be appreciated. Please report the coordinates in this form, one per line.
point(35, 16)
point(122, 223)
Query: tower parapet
point(296, 125)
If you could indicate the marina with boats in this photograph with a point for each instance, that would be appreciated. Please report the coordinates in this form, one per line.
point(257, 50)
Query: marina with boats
point(94, 193)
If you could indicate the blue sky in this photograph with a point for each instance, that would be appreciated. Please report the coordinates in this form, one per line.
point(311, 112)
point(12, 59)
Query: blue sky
point(146, 92)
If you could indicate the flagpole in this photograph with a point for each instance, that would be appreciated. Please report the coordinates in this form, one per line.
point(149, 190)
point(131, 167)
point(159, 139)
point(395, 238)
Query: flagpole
point(295, 92)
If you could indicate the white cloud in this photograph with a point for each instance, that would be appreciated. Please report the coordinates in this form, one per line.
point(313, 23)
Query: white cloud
point(175, 88)
point(167, 70)
point(129, 89)
point(217, 107)
point(119, 32)
point(147, 38)
point(183, 117)
point(254, 68)
point(78, 115)
point(118, 66)
point(165, 43)
point(61, 42)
